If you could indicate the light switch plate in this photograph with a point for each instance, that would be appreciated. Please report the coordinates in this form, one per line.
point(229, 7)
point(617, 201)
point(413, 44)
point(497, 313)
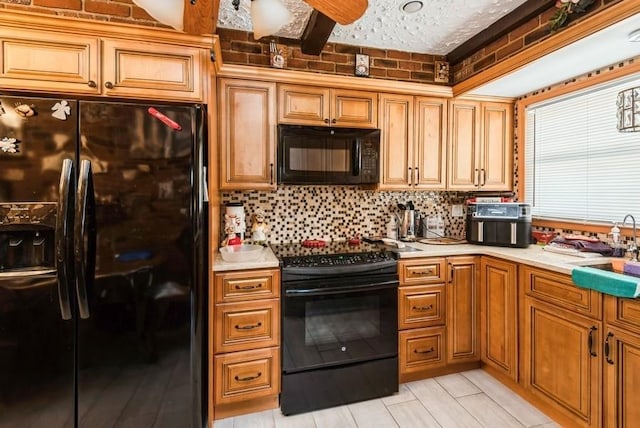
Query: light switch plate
point(457, 210)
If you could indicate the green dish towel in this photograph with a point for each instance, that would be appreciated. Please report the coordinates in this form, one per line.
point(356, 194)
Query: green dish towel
point(606, 282)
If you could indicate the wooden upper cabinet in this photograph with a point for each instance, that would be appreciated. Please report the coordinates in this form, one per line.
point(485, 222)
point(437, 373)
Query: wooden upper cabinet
point(318, 106)
point(396, 141)
point(152, 70)
point(58, 62)
point(496, 170)
point(413, 141)
point(247, 134)
point(42, 60)
point(480, 146)
point(430, 143)
point(464, 123)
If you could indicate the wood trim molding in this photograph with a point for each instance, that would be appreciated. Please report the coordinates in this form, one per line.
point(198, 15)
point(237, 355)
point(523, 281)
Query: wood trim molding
point(10, 18)
point(504, 25)
point(333, 81)
point(584, 28)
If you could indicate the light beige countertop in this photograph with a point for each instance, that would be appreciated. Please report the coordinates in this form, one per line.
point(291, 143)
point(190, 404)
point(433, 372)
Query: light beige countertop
point(534, 255)
point(266, 260)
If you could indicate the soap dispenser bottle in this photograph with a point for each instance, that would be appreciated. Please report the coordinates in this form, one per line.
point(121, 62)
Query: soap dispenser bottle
point(618, 247)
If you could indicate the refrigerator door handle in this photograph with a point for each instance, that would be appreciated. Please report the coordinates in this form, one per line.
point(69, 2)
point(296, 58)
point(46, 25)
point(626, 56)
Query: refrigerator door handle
point(85, 237)
point(64, 225)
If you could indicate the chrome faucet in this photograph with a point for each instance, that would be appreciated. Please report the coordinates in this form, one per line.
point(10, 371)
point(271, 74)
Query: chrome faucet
point(632, 247)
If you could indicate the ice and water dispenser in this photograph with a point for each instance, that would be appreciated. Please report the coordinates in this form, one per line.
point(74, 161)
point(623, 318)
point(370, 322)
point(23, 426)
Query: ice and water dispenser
point(27, 236)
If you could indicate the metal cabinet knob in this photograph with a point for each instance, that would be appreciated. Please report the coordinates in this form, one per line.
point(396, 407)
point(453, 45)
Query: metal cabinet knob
point(92, 84)
point(108, 85)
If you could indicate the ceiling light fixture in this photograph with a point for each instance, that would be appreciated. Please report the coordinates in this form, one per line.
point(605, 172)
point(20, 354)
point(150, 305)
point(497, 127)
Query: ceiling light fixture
point(634, 36)
point(267, 16)
point(169, 12)
point(412, 6)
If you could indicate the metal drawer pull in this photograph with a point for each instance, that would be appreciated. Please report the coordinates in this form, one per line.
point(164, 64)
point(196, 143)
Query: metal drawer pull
point(607, 349)
point(428, 351)
point(423, 272)
point(248, 378)
point(590, 341)
point(422, 308)
point(248, 287)
point(248, 327)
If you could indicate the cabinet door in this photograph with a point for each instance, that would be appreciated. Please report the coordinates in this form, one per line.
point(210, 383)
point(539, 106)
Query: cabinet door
point(45, 61)
point(396, 124)
point(356, 109)
point(303, 105)
point(462, 310)
point(247, 133)
point(563, 361)
point(464, 137)
point(150, 70)
point(496, 170)
point(430, 143)
point(622, 379)
point(498, 309)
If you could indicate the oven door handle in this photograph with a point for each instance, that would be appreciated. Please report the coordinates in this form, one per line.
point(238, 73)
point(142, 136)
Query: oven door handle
point(321, 291)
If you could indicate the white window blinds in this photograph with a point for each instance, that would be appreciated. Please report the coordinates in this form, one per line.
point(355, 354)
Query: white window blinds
point(577, 165)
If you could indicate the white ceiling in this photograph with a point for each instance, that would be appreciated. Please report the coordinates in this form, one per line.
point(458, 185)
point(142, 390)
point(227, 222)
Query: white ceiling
point(440, 27)
point(608, 46)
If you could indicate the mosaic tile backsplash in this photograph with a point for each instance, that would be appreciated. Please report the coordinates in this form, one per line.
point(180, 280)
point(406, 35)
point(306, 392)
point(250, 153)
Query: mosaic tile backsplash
point(296, 213)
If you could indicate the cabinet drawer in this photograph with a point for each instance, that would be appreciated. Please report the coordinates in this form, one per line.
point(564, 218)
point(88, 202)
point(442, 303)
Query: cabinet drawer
point(624, 313)
point(252, 285)
point(421, 306)
point(246, 375)
point(421, 349)
point(560, 290)
point(249, 325)
point(424, 271)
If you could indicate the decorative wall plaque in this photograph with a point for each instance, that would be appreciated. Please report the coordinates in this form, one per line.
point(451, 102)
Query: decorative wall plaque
point(441, 72)
point(362, 65)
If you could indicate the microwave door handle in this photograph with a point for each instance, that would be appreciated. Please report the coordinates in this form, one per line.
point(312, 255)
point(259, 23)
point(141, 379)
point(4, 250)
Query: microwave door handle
point(357, 158)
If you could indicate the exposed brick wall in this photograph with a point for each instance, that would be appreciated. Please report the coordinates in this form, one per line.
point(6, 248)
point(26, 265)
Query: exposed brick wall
point(239, 47)
point(523, 37)
point(123, 11)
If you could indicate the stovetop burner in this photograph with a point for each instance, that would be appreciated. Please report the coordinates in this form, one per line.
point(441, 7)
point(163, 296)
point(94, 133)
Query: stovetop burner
point(332, 254)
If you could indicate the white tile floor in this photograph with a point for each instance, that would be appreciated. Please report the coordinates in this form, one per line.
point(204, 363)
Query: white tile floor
point(468, 399)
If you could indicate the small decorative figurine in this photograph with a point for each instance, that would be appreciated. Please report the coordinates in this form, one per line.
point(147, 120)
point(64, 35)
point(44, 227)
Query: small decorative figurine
point(230, 224)
point(259, 228)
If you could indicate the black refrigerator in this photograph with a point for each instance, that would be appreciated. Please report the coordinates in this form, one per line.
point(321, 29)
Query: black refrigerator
point(102, 264)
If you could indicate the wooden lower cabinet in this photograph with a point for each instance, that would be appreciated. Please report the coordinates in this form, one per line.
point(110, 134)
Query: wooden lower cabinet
point(563, 361)
point(499, 322)
point(437, 316)
point(244, 342)
point(621, 379)
point(463, 315)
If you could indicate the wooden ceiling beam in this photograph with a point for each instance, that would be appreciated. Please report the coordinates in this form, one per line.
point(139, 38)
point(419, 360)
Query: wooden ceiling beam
point(200, 16)
point(343, 12)
point(316, 33)
point(504, 25)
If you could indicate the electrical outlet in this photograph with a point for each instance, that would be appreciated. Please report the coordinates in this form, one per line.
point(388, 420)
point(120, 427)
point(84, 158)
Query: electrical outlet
point(457, 210)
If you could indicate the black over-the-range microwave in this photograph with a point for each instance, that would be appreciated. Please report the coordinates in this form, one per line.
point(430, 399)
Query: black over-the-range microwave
point(323, 155)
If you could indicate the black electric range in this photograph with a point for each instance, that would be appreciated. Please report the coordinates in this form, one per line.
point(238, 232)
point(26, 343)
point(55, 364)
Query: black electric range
point(339, 324)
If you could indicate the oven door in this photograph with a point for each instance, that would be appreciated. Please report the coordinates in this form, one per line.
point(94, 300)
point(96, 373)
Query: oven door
point(327, 323)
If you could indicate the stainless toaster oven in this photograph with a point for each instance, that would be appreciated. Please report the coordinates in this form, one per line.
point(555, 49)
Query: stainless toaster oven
point(505, 224)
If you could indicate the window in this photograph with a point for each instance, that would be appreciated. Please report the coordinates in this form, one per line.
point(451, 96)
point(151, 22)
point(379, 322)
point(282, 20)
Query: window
point(577, 165)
